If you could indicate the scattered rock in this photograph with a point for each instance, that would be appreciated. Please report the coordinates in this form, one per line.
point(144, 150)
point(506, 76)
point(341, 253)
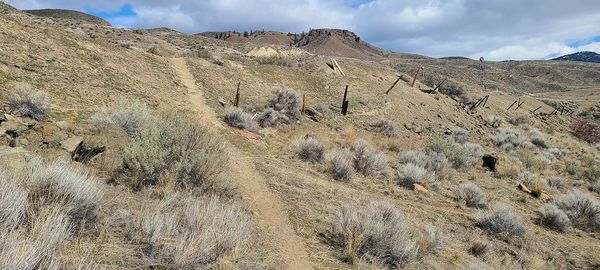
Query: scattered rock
point(13, 158)
point(71, 144)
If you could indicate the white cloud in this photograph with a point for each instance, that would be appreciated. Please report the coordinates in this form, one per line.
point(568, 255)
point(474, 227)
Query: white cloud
point(495, 29)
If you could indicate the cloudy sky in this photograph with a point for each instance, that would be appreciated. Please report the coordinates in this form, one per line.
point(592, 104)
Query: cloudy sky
point(494, 29)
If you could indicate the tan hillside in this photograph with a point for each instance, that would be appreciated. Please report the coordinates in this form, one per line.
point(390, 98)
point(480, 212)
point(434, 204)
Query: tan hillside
point(68, 14)
point(121, 149)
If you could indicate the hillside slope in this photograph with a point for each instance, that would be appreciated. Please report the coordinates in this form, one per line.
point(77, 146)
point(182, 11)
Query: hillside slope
point(68, 14)
point(590, 57)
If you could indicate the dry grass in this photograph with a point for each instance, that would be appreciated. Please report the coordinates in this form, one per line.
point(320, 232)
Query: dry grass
point(379, 231)
point(588, 132)
point(130, 115)
point(369, 162)
point(310, 149)
point(471, 195)
point(26, 101)
point(237, 118)
point(509, 139)
point(501, 220)
point(341, 165)
point(386, 128)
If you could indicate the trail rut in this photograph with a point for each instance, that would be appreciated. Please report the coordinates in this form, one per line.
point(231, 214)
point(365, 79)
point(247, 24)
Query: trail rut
point(253, 187)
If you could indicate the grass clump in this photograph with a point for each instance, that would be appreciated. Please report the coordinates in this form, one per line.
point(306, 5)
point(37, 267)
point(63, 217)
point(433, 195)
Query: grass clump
point(509, 139)
point(26, 101)
point(369, 162)
point(237, 118)
point(309, 149)
point(501, 220)
point(288, 102)
point(471, 195)
point(340, 165)
point(551, 217)
point(184, 232)
point(386, 128)
point(131, 116)
point(415, 174)
point(270, 117)
point(175, 152)
point(582, 209)
point(460, 135)
point(380, 231)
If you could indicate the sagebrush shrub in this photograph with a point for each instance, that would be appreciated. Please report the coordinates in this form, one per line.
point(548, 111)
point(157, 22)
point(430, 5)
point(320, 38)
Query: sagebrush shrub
point(237, 118)
point(270, 117)
point(501, 220)
point(185, 232)
point(471, 195)
point(310, 149)
point(176, 150)
point(26, 101)
point(369, 162)
point(582, 209)
point(434, 238)
point(288, 102)
point(551, 217)
point(460, 135)
point(130, 115)
point(509, 139)
point(434, 162)
point(461, 156)
point(538, 138)
point(385, 127)
point(414, 174)
point(341, 165)
point(379, 231)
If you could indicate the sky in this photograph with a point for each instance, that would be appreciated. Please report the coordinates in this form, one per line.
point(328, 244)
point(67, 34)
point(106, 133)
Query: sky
point(493, 29)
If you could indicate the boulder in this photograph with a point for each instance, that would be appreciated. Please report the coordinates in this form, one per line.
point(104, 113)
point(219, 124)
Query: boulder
point(489, 162)
point(71, 144)
point(13, 158)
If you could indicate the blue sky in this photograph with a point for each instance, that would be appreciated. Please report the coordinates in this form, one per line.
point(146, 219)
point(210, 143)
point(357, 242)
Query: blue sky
point(494, 29)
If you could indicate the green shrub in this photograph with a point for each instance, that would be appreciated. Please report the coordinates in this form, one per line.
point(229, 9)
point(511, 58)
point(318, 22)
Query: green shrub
point(130, 115)
point(175, 150)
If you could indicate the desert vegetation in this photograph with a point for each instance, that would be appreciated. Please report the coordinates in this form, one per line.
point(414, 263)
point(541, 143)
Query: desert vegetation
point(26, 101)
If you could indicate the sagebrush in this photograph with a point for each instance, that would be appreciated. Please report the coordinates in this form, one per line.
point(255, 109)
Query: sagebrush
point(27, 101)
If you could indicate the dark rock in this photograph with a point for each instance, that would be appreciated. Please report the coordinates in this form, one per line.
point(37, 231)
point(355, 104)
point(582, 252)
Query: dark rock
point(489, 162)
point(84, 153)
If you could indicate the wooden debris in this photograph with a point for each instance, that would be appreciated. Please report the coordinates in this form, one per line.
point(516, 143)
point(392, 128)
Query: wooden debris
point(395, 82)
point(513, 104)
point(439, 85)
point(519, 105)
point(524, 188)
point(303, 111)
point(415, 77)
point(335, 63)
point(536, 109)
point(236, 103)
point(345, 102)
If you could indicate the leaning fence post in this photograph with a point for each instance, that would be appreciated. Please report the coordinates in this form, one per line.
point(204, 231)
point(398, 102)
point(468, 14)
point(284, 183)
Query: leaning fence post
point(394, 84)
point(416, 75)
point(236, 103)
point(512, 104)
point(345, 102)
point(303, 103)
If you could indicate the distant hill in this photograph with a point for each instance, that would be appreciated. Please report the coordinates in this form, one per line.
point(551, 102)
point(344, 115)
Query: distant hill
point(590, 57)
point(68, 14)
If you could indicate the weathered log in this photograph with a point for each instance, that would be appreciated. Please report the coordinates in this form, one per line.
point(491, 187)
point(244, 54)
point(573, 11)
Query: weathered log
point(394, 84)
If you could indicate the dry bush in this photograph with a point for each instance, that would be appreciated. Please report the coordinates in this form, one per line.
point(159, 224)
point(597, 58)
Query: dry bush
point(237, 118)
point(501, 220)
point(558, 153)
point(509, 139)
point(595, 187)
point(460, 135)
point(551, 217)
point(538, 138)
point(184, 232)
point(369, 162)
point(582, 209)
point(176, 152)
point(461, 156)
point(379, 231)
point(288, 102)
point(415, 174)
point(310, 149)
point(588, 132)
point(508, 167)
point(385, 127)
point(130, 115)
point(518, 120)
point(340, 165)
point(434, 162)
point(533, 161)
point(471, 195)
point(26, 101)
point(279, 60)
point(270, 117)
point(434, 238)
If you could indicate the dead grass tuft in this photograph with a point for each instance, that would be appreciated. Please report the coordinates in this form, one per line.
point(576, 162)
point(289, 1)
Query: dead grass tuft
point(26, 101)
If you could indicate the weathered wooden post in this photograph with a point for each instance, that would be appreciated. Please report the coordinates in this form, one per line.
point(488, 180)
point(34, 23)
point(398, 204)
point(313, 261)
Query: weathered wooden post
point(513, 104)
point(519, 105)
point(536, 109)
point(236, 103)
point(416, 75)
point(303, 104)
point(482, 72)
point(345, 102)
point(390, 89)
point(439, 85)
point(485, 101)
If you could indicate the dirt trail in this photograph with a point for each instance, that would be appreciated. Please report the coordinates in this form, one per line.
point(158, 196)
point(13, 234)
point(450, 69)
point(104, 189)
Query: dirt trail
point(253, 188)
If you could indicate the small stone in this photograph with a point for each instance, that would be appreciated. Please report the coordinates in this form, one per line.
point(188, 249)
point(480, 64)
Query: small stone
point(23, 141)
point(420, 188)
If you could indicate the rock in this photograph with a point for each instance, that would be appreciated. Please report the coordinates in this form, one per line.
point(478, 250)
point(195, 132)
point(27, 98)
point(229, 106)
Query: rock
point(417, 129)
point(20, 130)
point(420, 188)
point(23, 141)
point(13, 158)
point(71, 144)
point(51, 134)
point(11, 123)
point(489, 162)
